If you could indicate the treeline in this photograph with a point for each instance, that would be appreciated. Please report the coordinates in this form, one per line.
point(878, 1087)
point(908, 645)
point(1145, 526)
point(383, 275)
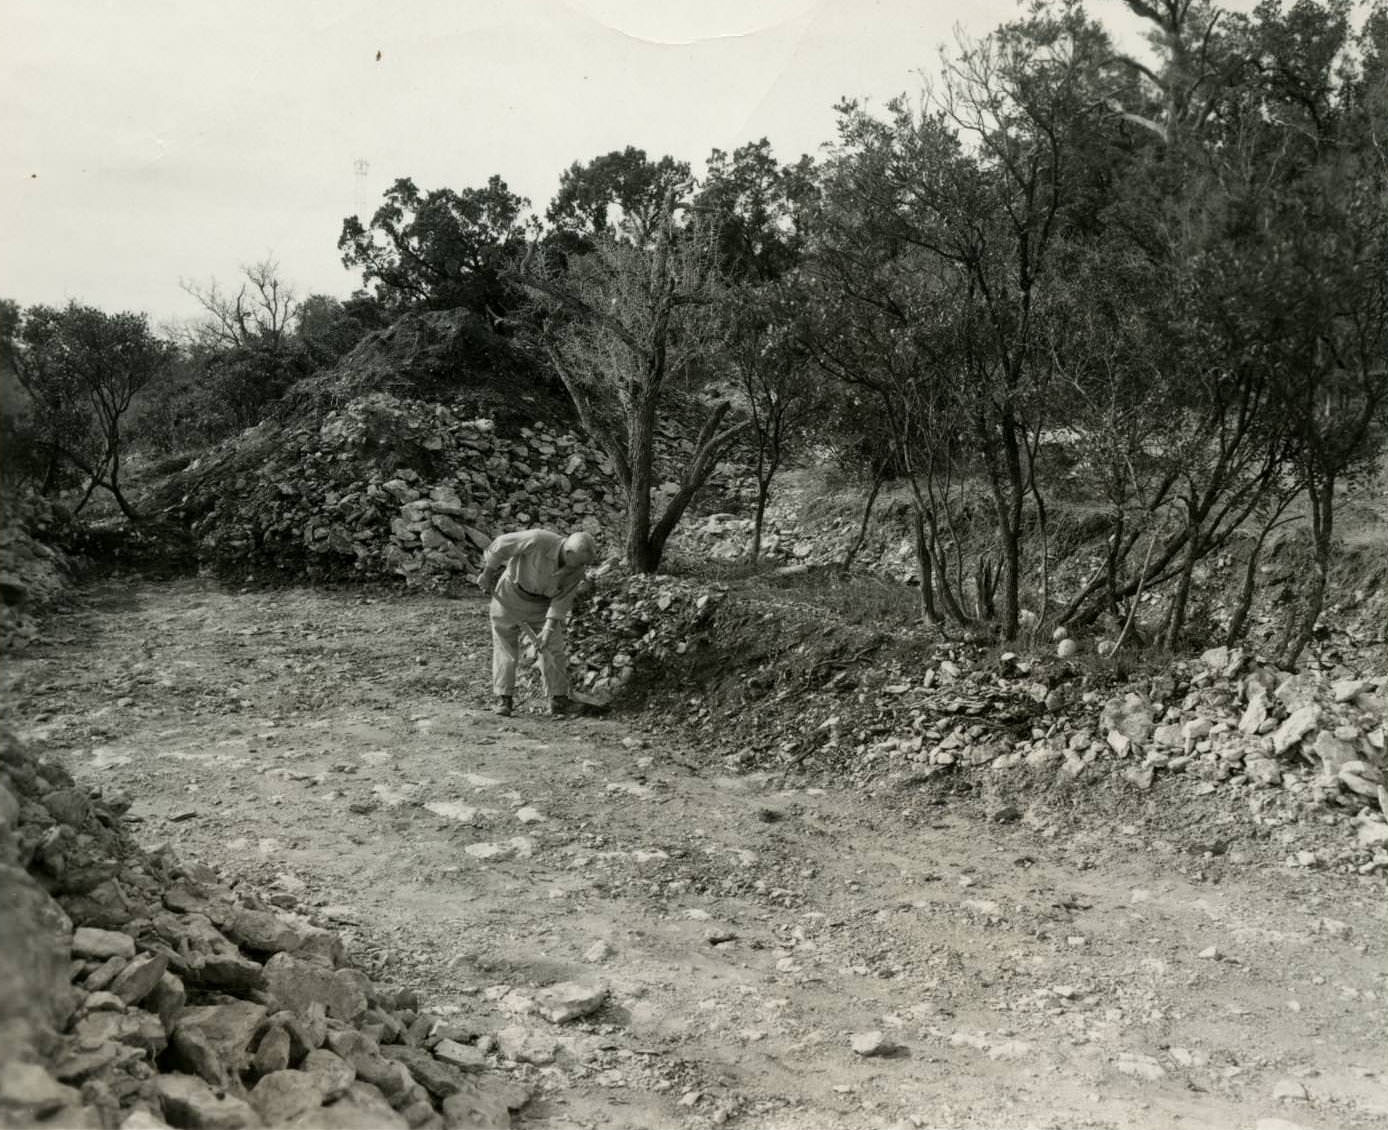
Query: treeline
point(1063, 281)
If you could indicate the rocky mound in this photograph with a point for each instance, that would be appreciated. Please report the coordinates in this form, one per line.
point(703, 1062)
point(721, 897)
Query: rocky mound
point(33, 574)
point(800, 533)
point(381, 489)
point(631, 631)
point(136, 991)
point(438, 355)
point(797, 688)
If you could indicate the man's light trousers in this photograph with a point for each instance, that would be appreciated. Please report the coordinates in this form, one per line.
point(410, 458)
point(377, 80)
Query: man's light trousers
point(509, 610)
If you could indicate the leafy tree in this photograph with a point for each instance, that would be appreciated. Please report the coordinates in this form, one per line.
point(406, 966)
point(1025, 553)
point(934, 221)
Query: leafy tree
point(936, 250)
point(623, 187)
point(247, 347)
point(443, 249)
point(779, 388)
point(633, 326)
point(329, 328)
point(759, 209)
point(83, 369)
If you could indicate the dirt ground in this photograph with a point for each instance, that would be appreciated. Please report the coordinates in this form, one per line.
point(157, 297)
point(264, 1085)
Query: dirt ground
point(335, 750)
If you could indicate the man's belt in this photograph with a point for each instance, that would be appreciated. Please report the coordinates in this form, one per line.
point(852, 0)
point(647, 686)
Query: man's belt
point(530, 595)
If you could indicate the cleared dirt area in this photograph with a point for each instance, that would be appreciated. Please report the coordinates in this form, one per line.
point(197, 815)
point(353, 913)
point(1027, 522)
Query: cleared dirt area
point(335, 751)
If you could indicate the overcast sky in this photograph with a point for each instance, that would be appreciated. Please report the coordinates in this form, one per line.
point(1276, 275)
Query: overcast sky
point(148, 141)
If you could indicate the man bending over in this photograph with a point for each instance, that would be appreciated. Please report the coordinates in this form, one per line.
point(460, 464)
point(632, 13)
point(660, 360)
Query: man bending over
point(533, 577)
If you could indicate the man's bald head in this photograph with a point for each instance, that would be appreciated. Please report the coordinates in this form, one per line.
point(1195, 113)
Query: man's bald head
point(580, 549)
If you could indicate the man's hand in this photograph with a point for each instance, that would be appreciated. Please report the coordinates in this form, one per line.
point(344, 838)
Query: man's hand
point(546, 636)
point(485, 583)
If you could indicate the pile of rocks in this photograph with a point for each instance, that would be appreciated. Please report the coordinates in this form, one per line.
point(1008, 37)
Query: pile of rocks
point(33, 574)
point(384, 488)
point(797, 534)
point(138, 992)
point(1317, 734)
point(1228, 721)
point(796, 690)
point(631, 624)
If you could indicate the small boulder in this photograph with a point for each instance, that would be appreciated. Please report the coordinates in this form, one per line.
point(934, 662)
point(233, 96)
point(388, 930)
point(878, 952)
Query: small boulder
point(283, 1095)
point(1297, 725)
point(28, 1092)
point(189, 1102)
point(874, 1043)
point(297, 984)
point(133, 983)
point(229, 1029)
point(333, 1073)
point(263, 932)
point(273, 1052)
point(99, 945)
point(465, 1057)
point(569, 1000)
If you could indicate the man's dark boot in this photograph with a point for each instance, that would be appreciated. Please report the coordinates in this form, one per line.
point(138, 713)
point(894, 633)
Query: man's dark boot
point(503, 706)
point(561, 706)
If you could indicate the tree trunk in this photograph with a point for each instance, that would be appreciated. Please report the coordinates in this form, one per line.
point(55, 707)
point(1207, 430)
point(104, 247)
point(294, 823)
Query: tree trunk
point(925, 571)
point(641, 429)
point(759, 514)
point(1238, 622)
point(113, 480)
point(1180, 599)
point(879, 476)
point(1322, 534)
point(758, 520)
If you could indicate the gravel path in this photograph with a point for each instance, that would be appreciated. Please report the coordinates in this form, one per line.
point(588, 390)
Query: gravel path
point(335, 751)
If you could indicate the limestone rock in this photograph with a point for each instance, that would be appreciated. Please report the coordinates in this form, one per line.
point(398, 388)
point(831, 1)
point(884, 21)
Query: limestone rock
point(133, 983)
point(141, 1118)
point(97, 944)
point(307, 1029)
point(363, 1107)
point(35, 1000)
point(1129, 716)
point(1334, 753)
point(167, 999)
point(874, 1043)
point(569, 1000)
point(333, 1073)
point(273, 1052)
point(297, 984)
point(1361, 778)
point(523, 1045)
point(1254, 715)
point(483, 1104)
point(189, 1102)
point(1140, 1066)
point(228, 1028)
point(263, 932)
point(465, 1057)
point(439, 1079)
point(1298, 724)
point(1263, 770)
point(284, 1095)
point(29, 1092)
point(193, 1053)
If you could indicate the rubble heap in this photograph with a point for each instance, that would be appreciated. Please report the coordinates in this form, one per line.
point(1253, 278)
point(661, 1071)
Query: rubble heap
point(384, 488)
point(33, 574)
point(798, 534)
point(138, 992)
point(796, 688)
point(634, 625)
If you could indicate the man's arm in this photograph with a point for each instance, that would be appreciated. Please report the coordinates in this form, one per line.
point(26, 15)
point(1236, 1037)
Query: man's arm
point(496, 556)
point(560, 606)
